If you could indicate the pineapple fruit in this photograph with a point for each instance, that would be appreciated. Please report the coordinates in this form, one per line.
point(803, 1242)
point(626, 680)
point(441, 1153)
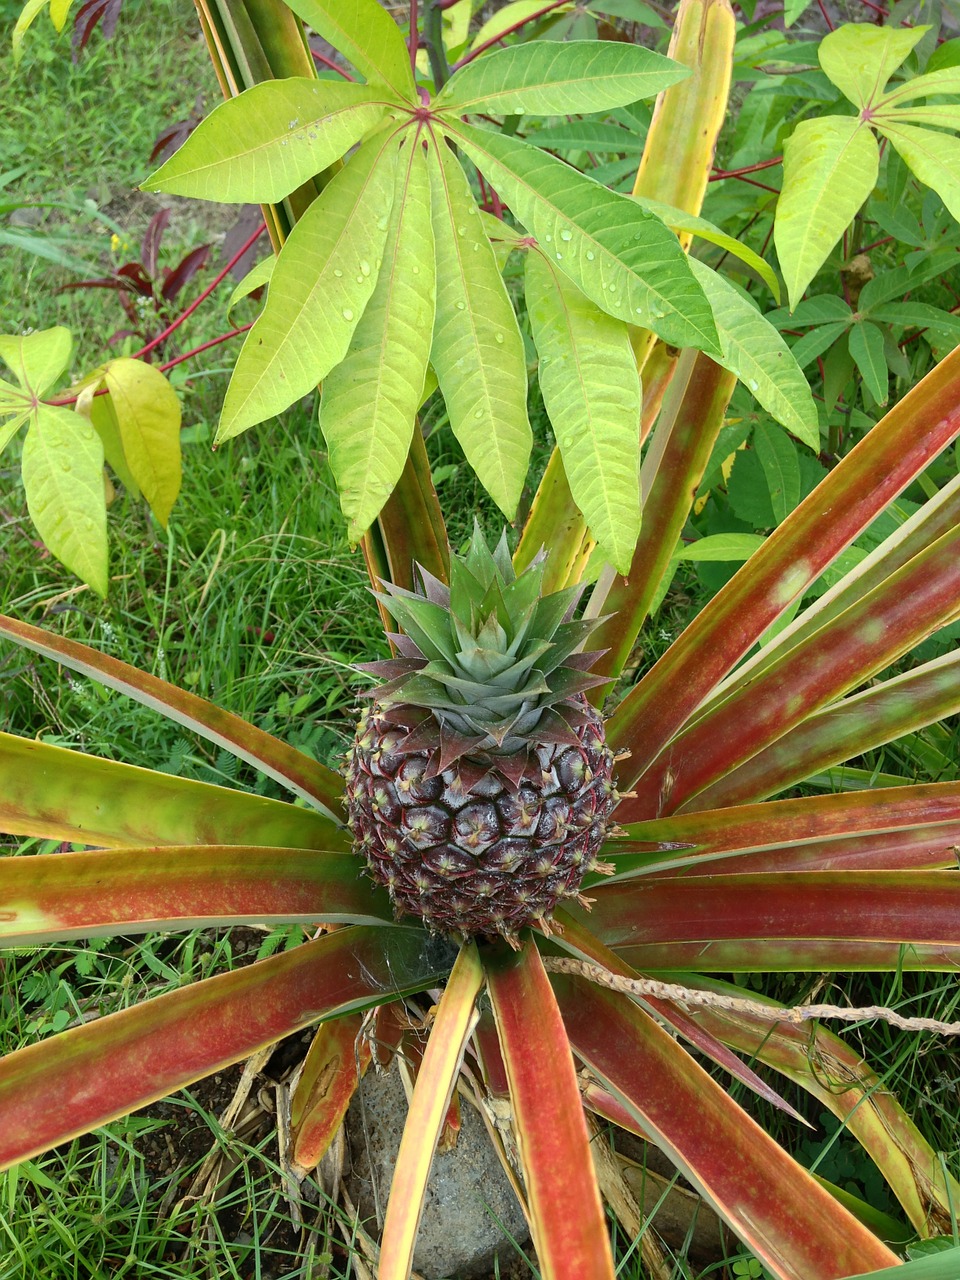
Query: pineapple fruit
point(479, 784)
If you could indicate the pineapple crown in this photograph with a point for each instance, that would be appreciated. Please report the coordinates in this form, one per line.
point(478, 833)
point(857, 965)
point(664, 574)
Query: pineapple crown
point(490, 658)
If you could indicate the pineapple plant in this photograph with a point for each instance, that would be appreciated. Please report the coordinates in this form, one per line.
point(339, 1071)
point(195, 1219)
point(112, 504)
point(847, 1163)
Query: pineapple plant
point(479, 784)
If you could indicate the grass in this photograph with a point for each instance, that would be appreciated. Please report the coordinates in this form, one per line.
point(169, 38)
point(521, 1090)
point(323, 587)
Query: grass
point(255, 600)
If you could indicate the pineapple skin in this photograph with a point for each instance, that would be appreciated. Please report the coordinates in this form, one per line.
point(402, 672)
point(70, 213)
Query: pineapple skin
point(474, 850)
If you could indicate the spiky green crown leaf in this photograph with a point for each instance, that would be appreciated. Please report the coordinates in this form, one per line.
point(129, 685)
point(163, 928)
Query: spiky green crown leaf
point(489, 658)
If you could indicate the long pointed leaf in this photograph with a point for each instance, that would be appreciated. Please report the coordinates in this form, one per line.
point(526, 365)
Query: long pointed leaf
point(477, 351)
point(793, 1226)
point(366, 35)
point(89, 895)
point(867, 637)
point(67, 795)
point(566, 1214)
point(307, 778)
point(94, 1073)
point(369, 401)
point(622, 257)
point(456, 1016)
point(793, 557)
point(844, 730)
point(323, 279)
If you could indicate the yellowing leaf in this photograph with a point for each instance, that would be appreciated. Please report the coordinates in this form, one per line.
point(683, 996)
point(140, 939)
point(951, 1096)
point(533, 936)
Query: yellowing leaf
point(829, 168)
point(63, 479)
point(262, 145)
point(591, 390)
point(323, 279)
point(860, 58)
point(148, 420)
point(370, 400)
point(99, 409)
point(477, 351)
point(37, 359)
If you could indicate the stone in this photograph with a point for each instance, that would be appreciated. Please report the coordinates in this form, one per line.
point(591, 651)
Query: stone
point(470, 1209)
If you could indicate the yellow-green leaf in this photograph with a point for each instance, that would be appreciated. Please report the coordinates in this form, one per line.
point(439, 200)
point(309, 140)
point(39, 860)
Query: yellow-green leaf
point(37, 359)
point(860, 58)
point(323, 279)
point(369, 402)
point(591, 390)
point(63, 479)
point(262, 145)
point(477, 351)
point(148, 420)
point(829, 168)
point(99, 409)
point(366, 35)
point(255, 278)
point(933, 157)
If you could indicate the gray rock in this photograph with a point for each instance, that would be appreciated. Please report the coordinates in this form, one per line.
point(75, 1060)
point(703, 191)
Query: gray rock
point(468, 1195)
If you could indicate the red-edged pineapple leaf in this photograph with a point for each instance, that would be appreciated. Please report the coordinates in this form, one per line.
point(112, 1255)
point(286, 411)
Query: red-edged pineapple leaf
point(566, 1215)
point(333, 1068)
point(833, 1072)
point(455, 1018)
point(67, 795)
point(580, 942)
point(869, 635)
point(83, 895)
point(793, 557)
point(854, 830)
point(801, 919)
point(70, 1083)
point(792, 1225)
point(844, 730)
point(291, 768)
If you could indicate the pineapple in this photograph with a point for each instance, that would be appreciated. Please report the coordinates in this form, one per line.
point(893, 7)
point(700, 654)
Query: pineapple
point(479, 784)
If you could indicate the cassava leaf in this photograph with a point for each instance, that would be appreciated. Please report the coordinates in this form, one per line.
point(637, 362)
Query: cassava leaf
point(366, 35)
point(369, 401)
point(260, 146)
point(147, 411)
point(99, 409)
point(720, 546)
point(756, 353)
point(255, 278)
point(942, 80)
point(623, 259)
point(589, 135)
point(860, 58)
point(781, 469)
point(548, 79)
point(321, 283)
point(866, 348)
point(591, 389)
point(932, 156)
point(477, 351)
point(679, 220)
point(63, 479)
point(829, 168)
point(515, 12)
point(37, 359)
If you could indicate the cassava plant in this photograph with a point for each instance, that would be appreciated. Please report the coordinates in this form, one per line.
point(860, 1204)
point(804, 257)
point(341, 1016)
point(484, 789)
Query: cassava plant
point(573, 885)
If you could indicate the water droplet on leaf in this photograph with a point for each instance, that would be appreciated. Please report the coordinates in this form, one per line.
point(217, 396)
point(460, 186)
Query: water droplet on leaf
point(566, 235)
point(347, 313)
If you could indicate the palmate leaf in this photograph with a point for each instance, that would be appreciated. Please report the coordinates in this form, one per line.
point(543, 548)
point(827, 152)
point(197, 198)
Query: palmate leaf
point(550, 79)
point(829, 168)
point(753, 350)
point(866, 348)
point(477, 351)
point(860, 58)
point(591, 390)
point(322, 281)
point(775, 1206)
point(932, 156)
point(623, 258)
point(366, 35)
point(370, 400)
point(37, 359)
point(70, 1083)
point(261, 145)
